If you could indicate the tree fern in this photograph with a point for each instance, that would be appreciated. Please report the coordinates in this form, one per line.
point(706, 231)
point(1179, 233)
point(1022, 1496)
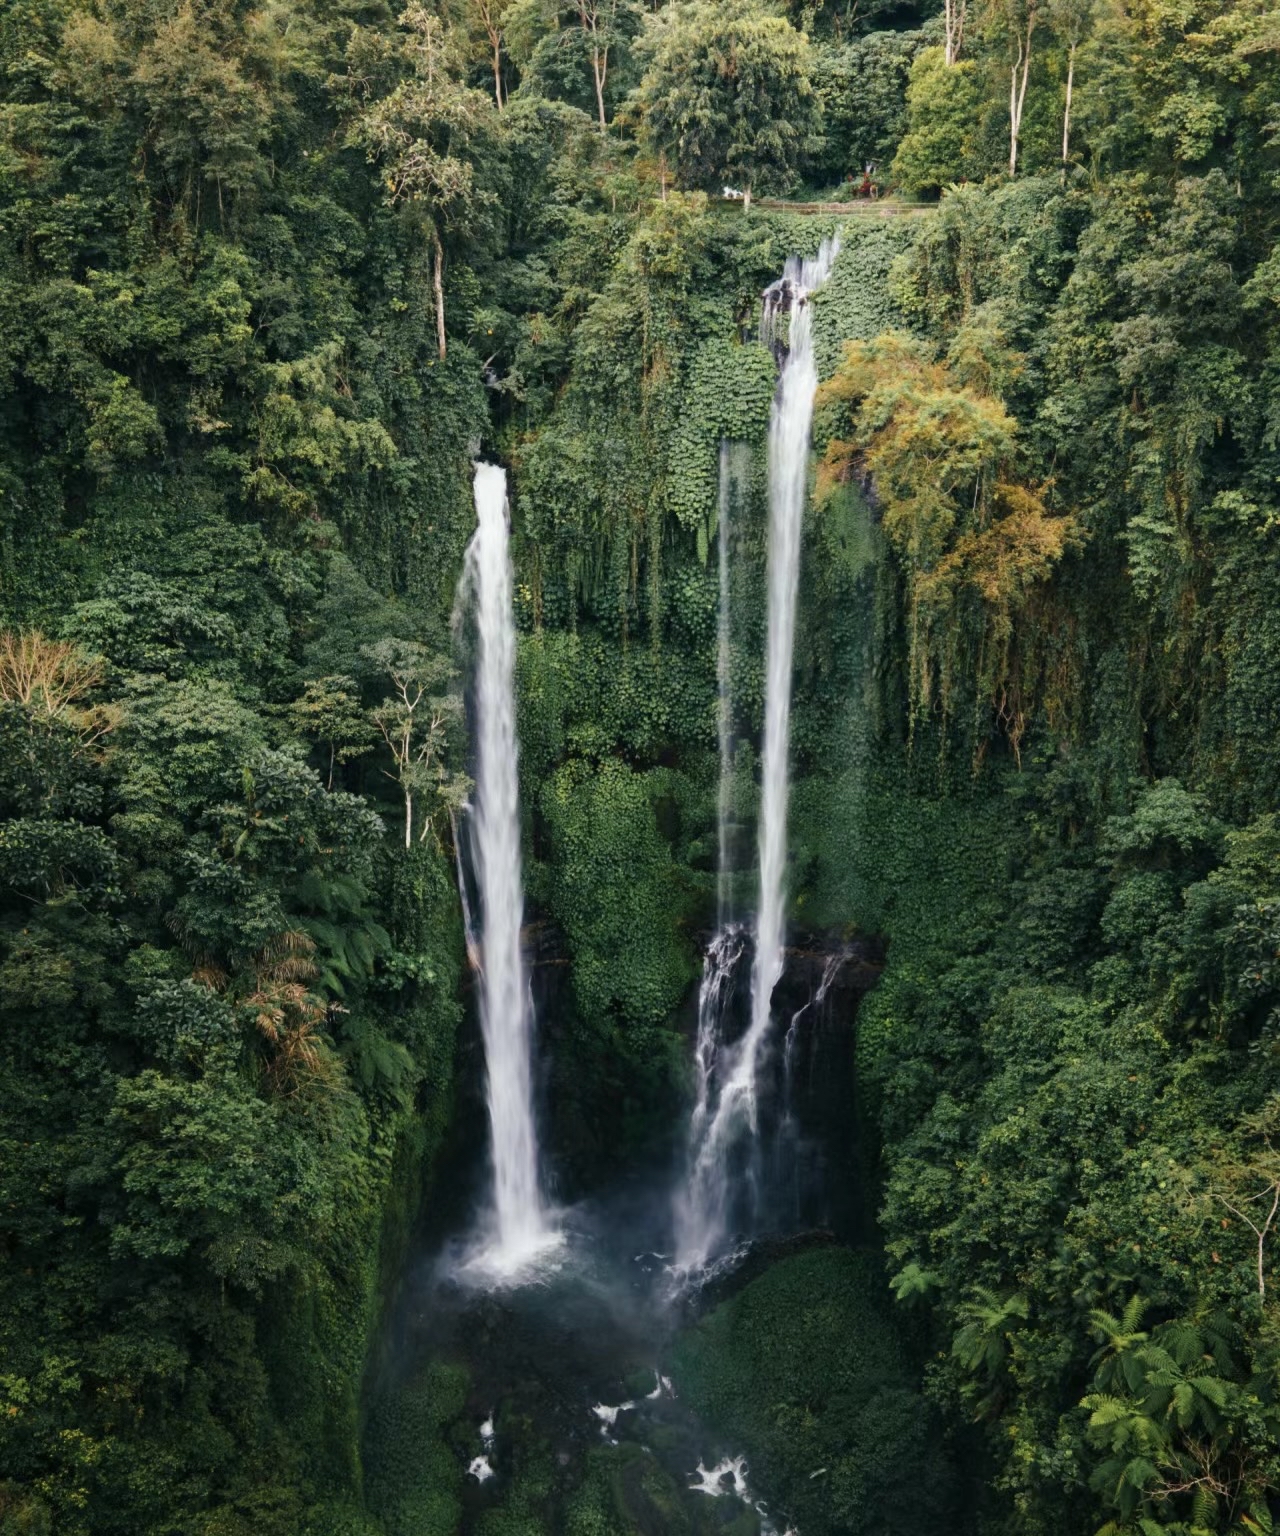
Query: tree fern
point(1183, 1340)
point(1115, 1362)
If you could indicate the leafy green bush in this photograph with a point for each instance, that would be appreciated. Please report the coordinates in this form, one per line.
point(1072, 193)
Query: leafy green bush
point(862, 84)
point(414, 1476)
point(943, 109)
point(804, 1372)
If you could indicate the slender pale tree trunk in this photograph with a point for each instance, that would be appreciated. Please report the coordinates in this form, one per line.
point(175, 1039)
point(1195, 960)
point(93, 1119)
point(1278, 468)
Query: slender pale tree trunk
point(953, 29)
point(497, 68)
point(1066, 116)
point(600, 69)
point(1018, 91)
point(589, 19)
point(437, 283)
point(746, 199)
point(1013, 112)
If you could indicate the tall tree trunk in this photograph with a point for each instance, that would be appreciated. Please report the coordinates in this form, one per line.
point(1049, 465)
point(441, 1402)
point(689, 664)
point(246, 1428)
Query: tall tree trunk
point(1066, 116)
point(438, 285)
point(1013, 113)
point(746, 199)
point(408, 818)
point(600, 69)
point(497, 69)
point(953, 29)
point(1018, 91)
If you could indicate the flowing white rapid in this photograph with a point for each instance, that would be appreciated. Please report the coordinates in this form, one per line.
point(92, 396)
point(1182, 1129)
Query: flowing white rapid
point(702, 1201)
point(704, 1207)
point(519, 1225)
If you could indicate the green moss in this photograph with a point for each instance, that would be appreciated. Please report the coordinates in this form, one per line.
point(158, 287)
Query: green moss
point(803, 1370)
point(856, 303)
point(414, 1478)
point(619, 895)
point(528, 1503)
point(339, 1519)
point(728, 393)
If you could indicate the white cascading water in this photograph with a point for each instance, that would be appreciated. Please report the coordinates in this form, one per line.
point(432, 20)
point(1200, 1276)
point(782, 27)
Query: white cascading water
point(701, 1204)
point(735, 463)
point(695, 1199)
point(521, 1226)
point(703, 1208)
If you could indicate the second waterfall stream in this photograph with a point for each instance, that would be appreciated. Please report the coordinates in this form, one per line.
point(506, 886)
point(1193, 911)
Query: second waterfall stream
point(519, 1225)
point(723, 1150)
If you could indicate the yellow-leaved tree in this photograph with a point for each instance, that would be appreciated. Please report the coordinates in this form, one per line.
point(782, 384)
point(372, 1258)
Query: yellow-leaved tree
point(972, 534)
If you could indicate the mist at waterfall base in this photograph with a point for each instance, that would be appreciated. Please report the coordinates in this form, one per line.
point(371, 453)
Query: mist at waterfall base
point(565, 1318)
point(568, 1355)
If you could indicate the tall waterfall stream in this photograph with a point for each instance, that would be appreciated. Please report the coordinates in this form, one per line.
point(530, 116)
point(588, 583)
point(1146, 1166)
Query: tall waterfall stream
point(735, 470)
point(519, 1224)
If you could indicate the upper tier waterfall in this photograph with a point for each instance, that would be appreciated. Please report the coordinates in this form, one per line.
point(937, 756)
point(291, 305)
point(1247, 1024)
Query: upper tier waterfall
point(520, 1221)
point(789, 428)
point(725, 1111)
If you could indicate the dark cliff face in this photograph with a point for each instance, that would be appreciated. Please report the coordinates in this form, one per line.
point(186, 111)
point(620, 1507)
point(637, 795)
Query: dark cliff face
point(823, 1167)
point(816, 1160)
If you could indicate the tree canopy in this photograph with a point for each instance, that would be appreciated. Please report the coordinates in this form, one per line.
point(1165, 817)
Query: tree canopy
point(727, 94)
point(270, 278)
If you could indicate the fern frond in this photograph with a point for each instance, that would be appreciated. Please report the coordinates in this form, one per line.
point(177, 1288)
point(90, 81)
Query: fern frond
point(1204, 1507)
point(1139, 1472)
point(1134, 1311)
point(1183, 1340)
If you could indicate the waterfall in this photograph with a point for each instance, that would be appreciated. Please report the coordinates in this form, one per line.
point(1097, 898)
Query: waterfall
point(520, 1226)
point(789, 425)
point(735, 461)
point(702, 1202)
point(704, 1208)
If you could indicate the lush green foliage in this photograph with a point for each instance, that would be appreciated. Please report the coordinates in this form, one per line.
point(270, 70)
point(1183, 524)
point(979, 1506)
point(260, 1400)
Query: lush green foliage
point(973, 539)
point(413, 1475)
point(257, 269)
point(804, 1370)
point(228, 1021)
point(227, 1004)
point(862, 85)
point(727, 94)
point(943, 103)
point(1072, 1046)
point(1036, 85)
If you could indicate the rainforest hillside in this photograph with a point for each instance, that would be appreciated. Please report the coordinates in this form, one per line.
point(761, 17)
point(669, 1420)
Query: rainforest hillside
point(271, 276)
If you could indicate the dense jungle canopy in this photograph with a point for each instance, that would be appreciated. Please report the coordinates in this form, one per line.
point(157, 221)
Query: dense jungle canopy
point(271, 274)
